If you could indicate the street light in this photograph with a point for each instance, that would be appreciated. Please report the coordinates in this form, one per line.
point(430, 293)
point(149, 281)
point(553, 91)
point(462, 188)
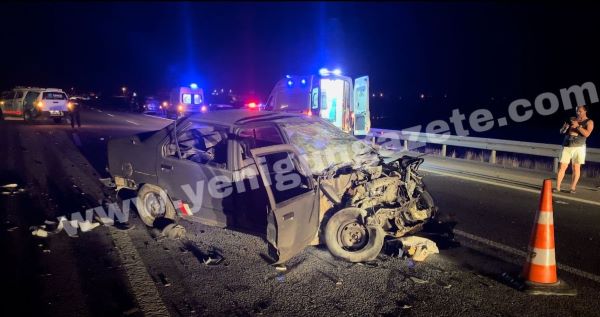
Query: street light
point(124, 89)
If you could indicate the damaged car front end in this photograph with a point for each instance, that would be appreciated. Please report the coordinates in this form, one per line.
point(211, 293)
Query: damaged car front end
point(365, 197)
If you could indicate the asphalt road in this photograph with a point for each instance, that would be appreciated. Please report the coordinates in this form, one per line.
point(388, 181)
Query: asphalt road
point(107, 271)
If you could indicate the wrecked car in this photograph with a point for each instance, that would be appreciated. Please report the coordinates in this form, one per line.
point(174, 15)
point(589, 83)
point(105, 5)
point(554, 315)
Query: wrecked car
point(297, 180)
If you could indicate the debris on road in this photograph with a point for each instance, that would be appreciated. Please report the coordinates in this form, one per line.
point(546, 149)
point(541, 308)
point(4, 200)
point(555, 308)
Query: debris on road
point(164, 280)
point(174, 231)
point(11, 189)
point(281, 268)
point(419, 248)
point(40, 233)
point(418, 280)
point(213, 260)
point(107, 182)
point(88, 226)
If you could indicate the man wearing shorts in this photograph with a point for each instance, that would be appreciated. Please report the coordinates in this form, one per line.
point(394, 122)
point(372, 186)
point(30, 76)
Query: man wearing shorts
point(573, 149)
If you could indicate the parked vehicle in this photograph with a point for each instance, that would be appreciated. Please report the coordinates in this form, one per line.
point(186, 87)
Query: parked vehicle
point(185, 100)
point(152, 105)
point(329, 95)
point(31, 103)
point(299, 180)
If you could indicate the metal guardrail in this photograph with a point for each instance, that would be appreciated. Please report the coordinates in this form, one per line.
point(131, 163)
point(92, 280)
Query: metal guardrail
point(494, 145)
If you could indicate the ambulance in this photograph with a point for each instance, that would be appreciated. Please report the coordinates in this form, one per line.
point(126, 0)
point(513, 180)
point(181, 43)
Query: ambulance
point(185, 100)
point(330, 95)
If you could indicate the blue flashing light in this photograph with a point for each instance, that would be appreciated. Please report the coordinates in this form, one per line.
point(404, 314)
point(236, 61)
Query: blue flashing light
point(337, 71)
point(323, 71)
point(193, 86)
point(303, 81)
point(290, 83)
point(288, 76)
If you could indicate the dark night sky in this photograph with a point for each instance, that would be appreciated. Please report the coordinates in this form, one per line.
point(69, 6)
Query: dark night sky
point(469, 51)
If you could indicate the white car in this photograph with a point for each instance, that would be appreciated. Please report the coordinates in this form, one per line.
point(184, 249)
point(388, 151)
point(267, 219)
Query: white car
point(32, 103)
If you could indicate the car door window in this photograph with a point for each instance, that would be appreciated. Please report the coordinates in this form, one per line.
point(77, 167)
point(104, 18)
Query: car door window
point(256, 137)
point(200, 143)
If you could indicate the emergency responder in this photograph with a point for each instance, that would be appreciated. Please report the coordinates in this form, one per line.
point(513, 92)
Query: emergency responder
point(74, 108)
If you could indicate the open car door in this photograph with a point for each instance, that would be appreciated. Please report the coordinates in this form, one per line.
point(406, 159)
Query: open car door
point(293, 216)
point(362, 119)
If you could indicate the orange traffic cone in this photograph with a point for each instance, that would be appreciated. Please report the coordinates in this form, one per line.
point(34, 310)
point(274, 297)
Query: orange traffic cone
point(539, 271)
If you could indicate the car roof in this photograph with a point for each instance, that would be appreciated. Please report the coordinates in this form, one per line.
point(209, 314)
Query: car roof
point(236, 117)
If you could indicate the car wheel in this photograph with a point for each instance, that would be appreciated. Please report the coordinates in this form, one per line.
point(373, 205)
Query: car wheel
point(426, 203)
point(153, 203)
point(57, 120)
point(347, 237)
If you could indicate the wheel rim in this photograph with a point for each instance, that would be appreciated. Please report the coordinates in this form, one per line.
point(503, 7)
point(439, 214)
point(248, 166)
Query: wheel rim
point(154, 205)
point(353, 236)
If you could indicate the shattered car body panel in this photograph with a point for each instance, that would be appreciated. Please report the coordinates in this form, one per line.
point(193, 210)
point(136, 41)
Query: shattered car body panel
point(348, 196)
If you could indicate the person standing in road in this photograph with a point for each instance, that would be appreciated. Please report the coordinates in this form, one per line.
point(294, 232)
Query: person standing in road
point(74, 113)
point(576, 132)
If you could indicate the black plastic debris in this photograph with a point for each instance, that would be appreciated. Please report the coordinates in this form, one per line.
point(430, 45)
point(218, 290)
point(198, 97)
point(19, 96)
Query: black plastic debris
point(164, 280)
point(513, 282)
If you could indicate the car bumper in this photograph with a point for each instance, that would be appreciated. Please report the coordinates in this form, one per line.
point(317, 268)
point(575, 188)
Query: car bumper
point(53, 113)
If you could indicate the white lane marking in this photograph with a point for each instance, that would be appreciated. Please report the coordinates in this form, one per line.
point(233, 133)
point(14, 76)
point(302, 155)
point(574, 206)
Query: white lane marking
point(523, 254)
point(110, 114)
point(76, 139)
point(149, 115)
point(511, 186)
point(132, 122)
point(143, 287)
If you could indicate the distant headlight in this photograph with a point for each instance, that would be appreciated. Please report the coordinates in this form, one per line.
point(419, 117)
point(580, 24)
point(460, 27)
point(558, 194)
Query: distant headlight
point(180, 108)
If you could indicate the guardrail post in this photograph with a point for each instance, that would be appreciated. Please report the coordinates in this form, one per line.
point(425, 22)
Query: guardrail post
point(493, 157)
point(555, 168)
point(444, 150)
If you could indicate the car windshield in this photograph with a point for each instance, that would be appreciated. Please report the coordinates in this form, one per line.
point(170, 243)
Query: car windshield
point(323, 145)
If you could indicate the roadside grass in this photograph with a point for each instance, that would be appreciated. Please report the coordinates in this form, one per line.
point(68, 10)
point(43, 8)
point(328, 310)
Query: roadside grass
point(508, 160)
